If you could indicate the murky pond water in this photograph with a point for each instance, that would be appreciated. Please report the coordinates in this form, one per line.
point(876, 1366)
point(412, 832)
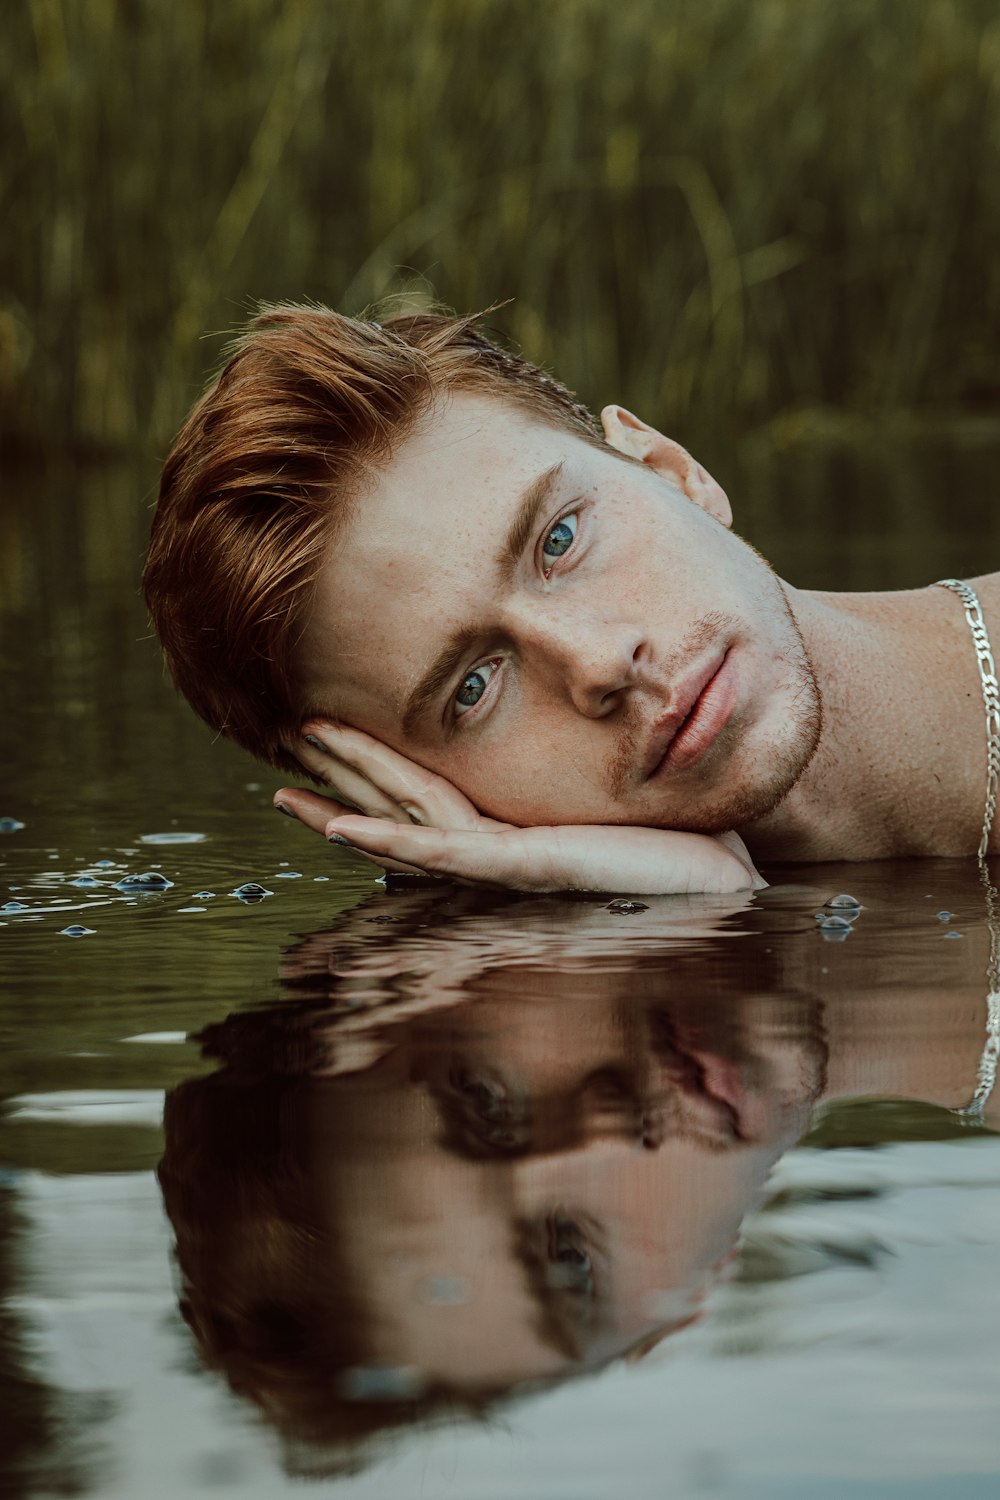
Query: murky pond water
point(461, 1195)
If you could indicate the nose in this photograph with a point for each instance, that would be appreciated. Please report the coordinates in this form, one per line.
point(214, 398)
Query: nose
point(591, 659)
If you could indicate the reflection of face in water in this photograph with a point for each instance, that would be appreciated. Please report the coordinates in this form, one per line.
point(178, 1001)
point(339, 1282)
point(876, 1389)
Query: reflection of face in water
point(570, 1161)
point(527, 1181)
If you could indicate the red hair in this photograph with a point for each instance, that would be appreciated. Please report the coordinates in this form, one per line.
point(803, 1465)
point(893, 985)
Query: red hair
point(263, 470)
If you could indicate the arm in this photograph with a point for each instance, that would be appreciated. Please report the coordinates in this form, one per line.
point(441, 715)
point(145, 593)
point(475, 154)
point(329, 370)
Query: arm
point(406, 819)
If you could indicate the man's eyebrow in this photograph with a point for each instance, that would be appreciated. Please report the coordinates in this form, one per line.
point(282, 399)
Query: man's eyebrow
point(448, 660)
point(522, 527)
point(436, 678)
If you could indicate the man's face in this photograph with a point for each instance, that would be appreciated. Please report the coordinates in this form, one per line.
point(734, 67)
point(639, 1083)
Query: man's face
point(567, 637)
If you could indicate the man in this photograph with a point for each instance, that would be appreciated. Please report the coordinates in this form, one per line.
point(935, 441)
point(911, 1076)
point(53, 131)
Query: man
point(529, 651)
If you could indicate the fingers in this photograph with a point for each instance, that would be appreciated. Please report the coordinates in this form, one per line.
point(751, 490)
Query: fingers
point(316, 811)
point(379, 775)
point(309, 807)
point(351, 785)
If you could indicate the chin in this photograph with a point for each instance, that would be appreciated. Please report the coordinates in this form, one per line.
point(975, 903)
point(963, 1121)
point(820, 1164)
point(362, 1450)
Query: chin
point(757, 778)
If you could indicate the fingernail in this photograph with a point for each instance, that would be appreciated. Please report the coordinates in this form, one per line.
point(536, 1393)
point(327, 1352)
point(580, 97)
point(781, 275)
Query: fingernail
point(311, 739)
point(286, 810)
point(338, 838)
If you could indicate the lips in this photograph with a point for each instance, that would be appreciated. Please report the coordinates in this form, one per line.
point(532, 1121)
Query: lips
point(700, 709)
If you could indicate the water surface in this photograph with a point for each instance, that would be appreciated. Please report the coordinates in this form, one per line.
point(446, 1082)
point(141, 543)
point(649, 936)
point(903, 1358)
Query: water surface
point(466, 1196)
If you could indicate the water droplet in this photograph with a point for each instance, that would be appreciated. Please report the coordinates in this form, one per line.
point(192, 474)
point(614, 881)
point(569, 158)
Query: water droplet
point(843, 902)
point(76, 931)
point(251, 892)
point(152, 880)
point(625, 907)
point(10, 825)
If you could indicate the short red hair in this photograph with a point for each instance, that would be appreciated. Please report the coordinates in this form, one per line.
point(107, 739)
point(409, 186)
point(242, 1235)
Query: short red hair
point(266, 464)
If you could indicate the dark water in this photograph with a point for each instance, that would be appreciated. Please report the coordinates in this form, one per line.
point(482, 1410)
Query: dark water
point(453, 1184)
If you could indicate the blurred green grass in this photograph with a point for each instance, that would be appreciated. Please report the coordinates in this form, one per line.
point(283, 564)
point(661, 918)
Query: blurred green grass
point(740, 218)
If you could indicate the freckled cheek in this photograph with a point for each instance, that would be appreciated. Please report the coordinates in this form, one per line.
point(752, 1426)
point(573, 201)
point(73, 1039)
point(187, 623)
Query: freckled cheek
point(535, 777)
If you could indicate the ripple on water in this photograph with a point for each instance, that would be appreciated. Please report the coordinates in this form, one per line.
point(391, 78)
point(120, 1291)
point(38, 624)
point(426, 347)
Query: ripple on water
point(173, 838)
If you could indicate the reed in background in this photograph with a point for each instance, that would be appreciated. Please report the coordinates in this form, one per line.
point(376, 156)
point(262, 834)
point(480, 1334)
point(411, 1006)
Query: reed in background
point(738, 217)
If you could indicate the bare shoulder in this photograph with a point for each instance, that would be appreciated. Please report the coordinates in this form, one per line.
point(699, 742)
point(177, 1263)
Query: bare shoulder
point(987, 586)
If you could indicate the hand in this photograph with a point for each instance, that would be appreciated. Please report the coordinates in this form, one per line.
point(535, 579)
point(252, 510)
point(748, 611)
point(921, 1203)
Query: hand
point(408, 820)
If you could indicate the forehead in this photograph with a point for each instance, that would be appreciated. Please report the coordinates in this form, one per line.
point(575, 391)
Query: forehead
point(464, 457)
point(414, 557)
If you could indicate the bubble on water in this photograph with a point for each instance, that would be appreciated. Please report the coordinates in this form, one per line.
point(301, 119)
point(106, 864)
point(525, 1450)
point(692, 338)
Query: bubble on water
point(288, 875)
point(844, 903)
point(173, 838)
point(834, 929)
point(624, 908)
point(104, 864)
point(318, 878)
point(84, 880)
point(944, 916)
point(152, 880)
point(77, 931)
point(11, 825)
point(953, 934)
point(251, 892)
point(12, 906)
point(203, 896)
point(184, 909)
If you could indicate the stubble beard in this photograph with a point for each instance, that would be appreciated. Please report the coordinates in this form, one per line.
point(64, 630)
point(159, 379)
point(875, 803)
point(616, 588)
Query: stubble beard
point(787, 758)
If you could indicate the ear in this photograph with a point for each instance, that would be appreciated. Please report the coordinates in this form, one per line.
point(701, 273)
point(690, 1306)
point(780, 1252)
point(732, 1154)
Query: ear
point(626, 434)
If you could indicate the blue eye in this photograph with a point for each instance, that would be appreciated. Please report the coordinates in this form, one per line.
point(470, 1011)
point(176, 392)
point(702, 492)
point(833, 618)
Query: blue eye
point(473, 686)
point(561, 537)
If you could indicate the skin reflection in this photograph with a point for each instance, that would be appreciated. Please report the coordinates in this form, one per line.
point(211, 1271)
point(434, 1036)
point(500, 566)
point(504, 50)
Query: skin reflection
point(487, 1144)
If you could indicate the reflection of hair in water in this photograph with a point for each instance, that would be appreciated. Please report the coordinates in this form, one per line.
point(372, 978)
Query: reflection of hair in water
point(266, 1284)
point(265, 1288)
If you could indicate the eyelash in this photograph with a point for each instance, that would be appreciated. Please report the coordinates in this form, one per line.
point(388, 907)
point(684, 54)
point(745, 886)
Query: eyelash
point(494, 662)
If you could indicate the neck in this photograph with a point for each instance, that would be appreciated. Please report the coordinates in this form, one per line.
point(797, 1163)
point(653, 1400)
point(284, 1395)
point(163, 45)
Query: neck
point(900, 766)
